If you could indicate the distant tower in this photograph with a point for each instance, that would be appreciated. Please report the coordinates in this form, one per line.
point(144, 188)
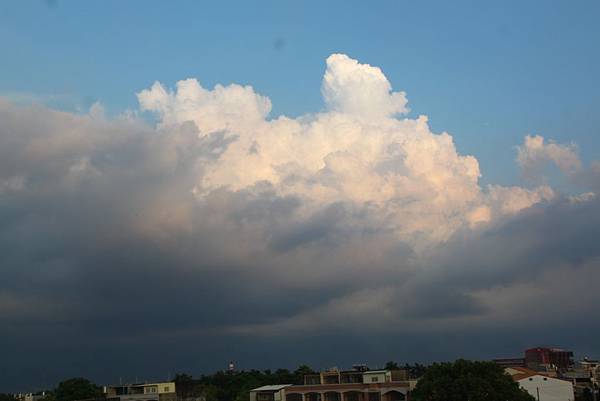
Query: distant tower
point(231, 367)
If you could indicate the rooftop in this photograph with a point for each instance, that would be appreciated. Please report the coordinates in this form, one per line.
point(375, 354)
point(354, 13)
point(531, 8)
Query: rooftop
point(518, 373)
point(274, 387)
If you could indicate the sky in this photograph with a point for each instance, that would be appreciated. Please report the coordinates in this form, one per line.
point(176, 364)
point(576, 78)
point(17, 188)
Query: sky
point(280, 183)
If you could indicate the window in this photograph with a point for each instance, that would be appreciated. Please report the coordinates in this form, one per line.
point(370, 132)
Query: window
point(166, 389)
point(545, 378)
point(374, 379)
point(530, 379)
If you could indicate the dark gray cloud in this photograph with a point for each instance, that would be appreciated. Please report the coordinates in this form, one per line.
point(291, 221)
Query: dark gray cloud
point(317, 228)
point(112, 267)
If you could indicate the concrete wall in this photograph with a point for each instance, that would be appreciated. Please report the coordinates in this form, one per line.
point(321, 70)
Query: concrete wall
point(166, 387)
point(550, 389)
point(159, 388)
point(137, 397)
point(150, 390)
point(369, 376)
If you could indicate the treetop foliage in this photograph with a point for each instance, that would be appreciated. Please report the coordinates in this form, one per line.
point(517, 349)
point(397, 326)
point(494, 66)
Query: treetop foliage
point(7, 397)
point(467, 381)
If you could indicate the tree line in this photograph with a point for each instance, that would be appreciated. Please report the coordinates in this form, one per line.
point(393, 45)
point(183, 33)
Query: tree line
point(452, 381)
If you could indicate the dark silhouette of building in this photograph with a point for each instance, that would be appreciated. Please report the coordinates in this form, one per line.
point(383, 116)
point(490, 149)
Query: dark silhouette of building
point(511, 362)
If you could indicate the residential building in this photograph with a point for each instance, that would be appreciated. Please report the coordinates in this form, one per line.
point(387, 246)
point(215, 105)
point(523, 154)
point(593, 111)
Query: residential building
point(269, 393)
point(584, 375)
point(578, 377)
point(540, 358)
point(336, 385)
point(164, 391)
point(542, 387)
point(593, 367)
point(31, 396)
point(589, 364)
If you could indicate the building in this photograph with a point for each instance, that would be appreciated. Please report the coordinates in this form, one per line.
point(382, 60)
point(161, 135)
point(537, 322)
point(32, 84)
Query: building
point(578, 377)
point(542, 387)
point(593, 367)
point(584, 375)
point(141, 392)
point(31, 396)
point(269, 393)
point(336, 385)
point(589, 364)
point(510, 362)
point(540, 358)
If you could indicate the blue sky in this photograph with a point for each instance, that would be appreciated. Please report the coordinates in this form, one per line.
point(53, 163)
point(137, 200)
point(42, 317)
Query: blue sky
point(488, 73)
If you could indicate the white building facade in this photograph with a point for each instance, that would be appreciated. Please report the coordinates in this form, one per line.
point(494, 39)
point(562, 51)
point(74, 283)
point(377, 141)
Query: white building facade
point(545, 388)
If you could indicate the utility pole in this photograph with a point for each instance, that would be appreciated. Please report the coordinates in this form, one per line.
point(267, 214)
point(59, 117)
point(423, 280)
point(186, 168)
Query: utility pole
point(538, 393)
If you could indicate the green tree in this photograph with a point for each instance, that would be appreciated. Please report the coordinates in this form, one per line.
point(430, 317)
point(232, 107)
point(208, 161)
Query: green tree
point(76, 388)
point(301, 372)
point(210, 393)
point(7, 397)
point(236, 386)
point(182, 377)
point(186, 386)
point(467, 381)
point(391, 365)
point(415, 371)
point(284, 376)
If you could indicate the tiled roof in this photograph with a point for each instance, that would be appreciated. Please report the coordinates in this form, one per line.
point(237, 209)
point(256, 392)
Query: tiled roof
point(523, 373)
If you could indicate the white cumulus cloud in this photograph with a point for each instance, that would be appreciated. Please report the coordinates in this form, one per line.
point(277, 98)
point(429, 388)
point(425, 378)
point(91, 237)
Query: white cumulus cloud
point(229, 107)
point(412, 180)
point(536, 153)
point(359, 89)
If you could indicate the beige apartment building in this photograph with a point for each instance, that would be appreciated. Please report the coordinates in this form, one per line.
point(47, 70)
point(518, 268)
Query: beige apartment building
point(164, 391)
point(335, 385)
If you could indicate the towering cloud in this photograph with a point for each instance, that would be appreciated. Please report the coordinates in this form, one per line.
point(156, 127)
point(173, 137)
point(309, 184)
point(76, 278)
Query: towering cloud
point(359, 89)
point(221, 222)
point(357, 152)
